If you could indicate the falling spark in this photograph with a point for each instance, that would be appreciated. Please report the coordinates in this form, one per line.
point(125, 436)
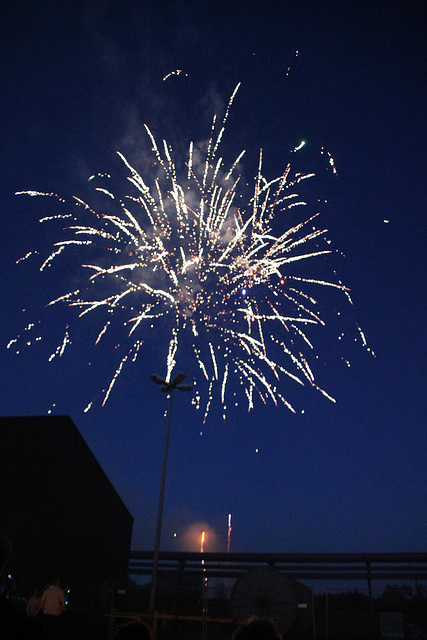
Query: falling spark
point(61, 348)
point(289, 68)
point(219, 277)
point(331, 161)
point(27, 255)
point(176, 72)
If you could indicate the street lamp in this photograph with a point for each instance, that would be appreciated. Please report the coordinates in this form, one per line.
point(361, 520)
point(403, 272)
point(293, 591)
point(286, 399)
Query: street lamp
point(169, 388)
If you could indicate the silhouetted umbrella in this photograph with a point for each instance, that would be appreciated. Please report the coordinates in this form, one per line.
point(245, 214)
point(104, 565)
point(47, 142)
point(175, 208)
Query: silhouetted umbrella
point(266, 593)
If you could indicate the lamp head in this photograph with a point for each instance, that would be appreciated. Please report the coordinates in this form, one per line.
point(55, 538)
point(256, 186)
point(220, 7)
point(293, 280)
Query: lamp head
point(157, 379)
point(178, 379)
point(184, 387)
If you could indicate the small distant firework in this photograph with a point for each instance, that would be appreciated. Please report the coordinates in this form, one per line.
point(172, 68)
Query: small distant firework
point(199, 537)
point(229, 533)
point(300, 146)
point(218, 279)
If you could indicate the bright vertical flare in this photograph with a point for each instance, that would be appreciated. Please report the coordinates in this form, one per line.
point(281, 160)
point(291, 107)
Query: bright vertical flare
point(202, 541)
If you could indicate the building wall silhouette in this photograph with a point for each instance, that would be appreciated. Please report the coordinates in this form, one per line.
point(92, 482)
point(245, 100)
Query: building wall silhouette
point(59, 510)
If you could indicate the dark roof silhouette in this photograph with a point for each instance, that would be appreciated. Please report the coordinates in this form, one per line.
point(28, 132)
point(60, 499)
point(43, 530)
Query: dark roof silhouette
point(59, 510)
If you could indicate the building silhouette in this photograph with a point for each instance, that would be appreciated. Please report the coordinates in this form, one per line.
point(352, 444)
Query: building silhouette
point(59, 510)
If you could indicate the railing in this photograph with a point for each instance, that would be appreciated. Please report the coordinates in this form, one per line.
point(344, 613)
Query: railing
point(312, 566)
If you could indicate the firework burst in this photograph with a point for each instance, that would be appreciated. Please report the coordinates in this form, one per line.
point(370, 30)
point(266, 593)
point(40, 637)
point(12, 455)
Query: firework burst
point(216, 277)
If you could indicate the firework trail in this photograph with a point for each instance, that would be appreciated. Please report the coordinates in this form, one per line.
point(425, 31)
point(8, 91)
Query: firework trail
point(217, 277)
point(229, 533)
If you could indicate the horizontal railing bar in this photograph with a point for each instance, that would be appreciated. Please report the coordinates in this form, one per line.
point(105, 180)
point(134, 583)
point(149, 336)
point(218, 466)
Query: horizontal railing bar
point(317, 566)
point(186, 556)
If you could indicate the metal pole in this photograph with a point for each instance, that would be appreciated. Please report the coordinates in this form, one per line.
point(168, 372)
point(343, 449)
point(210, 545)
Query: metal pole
point(369, 576)
point(327, 614)
point(160, 509)
point(313, 614)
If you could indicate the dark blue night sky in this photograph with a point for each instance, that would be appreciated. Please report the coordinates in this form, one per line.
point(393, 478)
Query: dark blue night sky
point(79, 80)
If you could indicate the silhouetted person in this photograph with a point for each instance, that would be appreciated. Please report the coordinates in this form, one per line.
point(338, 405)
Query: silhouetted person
point(33, 605)
point(133, 631)
point(257, 629)
point(52, 605)
point(14, 624)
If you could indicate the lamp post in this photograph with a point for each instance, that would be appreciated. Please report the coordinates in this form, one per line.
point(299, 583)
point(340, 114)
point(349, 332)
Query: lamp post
point(168, 388)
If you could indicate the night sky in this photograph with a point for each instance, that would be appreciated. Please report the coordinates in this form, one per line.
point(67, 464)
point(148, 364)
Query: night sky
point(79, 80)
